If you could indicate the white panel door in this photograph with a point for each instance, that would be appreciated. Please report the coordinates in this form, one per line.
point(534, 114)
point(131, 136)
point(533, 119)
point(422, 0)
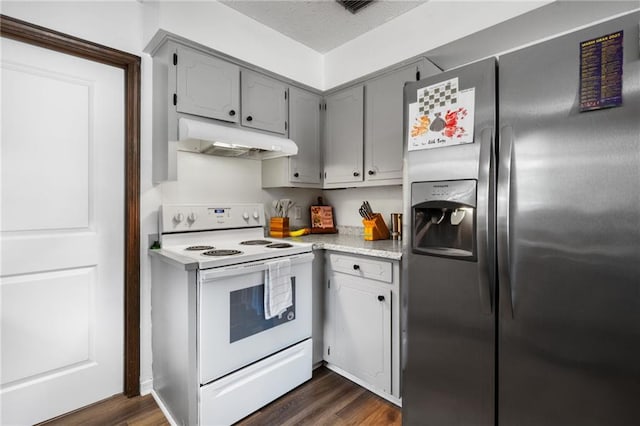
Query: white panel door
point(62, 226)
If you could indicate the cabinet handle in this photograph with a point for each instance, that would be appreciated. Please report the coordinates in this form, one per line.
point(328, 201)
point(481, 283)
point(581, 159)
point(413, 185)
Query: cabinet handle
point(372, 172)
point(232, 112)
point(249, 118)
point(296, 174)
point(356, 267)
point(356, 174)
point(381, 298)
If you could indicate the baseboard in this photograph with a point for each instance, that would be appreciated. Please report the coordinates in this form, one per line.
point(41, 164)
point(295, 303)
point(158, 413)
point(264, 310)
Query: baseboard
point(163, 408)
point(367, 386)
point(146, 387)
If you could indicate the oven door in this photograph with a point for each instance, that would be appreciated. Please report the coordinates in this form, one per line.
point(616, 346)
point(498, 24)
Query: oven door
point(232, 329)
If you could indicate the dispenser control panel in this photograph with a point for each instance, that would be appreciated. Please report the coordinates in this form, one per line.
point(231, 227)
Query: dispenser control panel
point(457, 191)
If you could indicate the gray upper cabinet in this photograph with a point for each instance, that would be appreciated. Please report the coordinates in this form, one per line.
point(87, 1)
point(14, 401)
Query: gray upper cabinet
point(344, 136)
point(304, 116)
point(264, 103)
point(364, 129)
point(207, 86)
point(303, 169)
point(354, 137)
point(383, 137)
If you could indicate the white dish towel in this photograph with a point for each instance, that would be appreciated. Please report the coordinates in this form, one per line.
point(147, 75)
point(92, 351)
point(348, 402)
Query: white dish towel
point(278, 294)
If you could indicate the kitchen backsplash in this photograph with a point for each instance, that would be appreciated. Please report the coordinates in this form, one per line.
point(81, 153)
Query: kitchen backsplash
point(346, 202)
point(302, 198)
point(206, 178)
point(203, 178)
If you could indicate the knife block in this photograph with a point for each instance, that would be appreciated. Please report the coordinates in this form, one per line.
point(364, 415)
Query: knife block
point(375, 229)
point(279, 227)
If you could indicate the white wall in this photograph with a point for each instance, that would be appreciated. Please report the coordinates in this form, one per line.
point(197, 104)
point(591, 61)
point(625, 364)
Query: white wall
point(227, 30)
point(115, 24)
point(420, 30)
point(206, 178)
point(346, 202)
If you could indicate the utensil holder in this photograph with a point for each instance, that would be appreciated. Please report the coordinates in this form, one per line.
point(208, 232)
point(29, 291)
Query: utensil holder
point(279, 227)
point(375, 229)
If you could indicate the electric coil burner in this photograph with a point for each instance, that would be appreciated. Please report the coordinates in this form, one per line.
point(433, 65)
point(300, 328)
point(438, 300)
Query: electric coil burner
point(221, 252)
point(199, 248)
point(255, 242)
point(279, 245)
point(214, 343)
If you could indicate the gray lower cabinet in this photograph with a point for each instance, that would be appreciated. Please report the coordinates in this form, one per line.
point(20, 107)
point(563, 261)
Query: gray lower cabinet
point(264, 103)
point(206, 86)
point(362, 321)
point(303, 169)
point(344, 136)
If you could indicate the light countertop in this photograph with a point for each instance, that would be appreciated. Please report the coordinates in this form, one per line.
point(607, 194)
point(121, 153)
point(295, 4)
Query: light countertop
point(355, 244)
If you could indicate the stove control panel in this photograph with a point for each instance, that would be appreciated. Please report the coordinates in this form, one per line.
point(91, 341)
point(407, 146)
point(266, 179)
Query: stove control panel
point(203, 217)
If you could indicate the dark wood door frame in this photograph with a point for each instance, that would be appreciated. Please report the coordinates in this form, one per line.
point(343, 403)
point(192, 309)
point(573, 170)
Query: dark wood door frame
point(53, 40)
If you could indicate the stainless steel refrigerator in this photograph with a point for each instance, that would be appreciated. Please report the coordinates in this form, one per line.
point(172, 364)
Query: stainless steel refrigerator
point(521, 271)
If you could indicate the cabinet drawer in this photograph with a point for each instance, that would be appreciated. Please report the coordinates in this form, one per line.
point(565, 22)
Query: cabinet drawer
point(361, 267)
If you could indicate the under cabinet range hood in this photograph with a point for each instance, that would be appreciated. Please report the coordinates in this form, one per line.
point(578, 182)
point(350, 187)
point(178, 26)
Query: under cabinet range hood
point(227, 141)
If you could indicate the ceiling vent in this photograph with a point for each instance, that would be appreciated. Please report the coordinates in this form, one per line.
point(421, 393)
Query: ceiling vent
point(354, 6)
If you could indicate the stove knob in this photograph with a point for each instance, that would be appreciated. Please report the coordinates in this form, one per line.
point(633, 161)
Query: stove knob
point(245, 216)
point(192, 217)
point(256, 215)
point(179, 217)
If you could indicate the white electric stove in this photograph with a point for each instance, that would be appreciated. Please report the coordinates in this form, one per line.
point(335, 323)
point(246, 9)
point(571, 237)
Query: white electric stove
point(216, 356)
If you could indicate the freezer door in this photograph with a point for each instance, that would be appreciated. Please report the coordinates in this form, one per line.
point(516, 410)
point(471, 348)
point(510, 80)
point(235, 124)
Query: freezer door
point(568, 239)
point(449, 376)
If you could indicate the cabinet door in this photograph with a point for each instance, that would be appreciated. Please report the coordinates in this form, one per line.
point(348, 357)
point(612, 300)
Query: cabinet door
point(304, 119)
point(383, 148)
point(264, 103)
point(207, 86)
point(361, 336)
point(344, 136)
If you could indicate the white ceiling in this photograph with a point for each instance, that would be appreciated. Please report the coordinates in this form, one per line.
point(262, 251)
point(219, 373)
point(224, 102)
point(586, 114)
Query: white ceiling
point(321, 24)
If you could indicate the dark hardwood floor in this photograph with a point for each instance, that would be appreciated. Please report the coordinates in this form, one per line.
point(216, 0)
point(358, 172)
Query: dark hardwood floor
point(327, 399)
point(117, 410)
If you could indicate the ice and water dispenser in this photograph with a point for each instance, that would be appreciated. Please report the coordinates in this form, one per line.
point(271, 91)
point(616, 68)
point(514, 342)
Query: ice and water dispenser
point(444, 218)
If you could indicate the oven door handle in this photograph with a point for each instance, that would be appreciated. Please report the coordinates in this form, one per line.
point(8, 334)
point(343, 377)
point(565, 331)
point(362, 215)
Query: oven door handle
point(250, 267)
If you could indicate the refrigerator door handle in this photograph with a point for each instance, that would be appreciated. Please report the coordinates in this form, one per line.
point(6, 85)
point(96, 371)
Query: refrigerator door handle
point(484, 187)
point(504, 213)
